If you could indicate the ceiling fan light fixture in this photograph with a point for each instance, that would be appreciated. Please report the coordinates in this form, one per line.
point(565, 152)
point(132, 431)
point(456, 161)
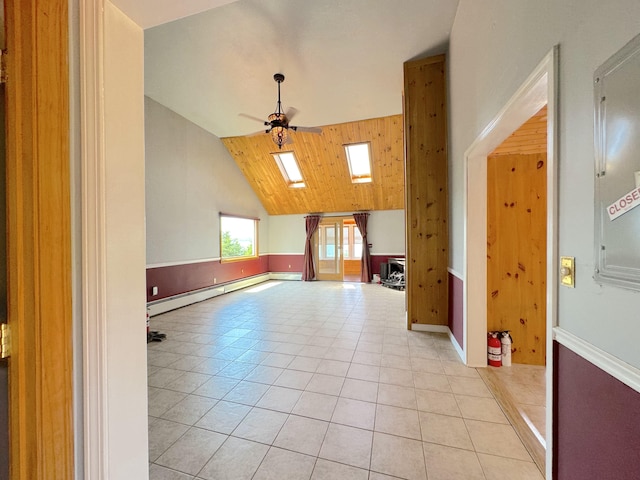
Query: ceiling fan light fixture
point(278, 121)
point(279, 136)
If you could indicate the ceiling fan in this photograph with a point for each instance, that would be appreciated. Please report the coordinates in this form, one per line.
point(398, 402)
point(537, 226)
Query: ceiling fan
point(278, 121)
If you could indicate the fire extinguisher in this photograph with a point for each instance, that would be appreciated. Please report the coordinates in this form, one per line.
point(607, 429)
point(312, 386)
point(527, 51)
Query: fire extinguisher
point(506, 341)
point(494, 349)
point(148, 329)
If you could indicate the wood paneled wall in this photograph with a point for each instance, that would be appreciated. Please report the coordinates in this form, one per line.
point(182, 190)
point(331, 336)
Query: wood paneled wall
point(323, 164)
point(352, 267)
point(516, 252)
point(425, 119)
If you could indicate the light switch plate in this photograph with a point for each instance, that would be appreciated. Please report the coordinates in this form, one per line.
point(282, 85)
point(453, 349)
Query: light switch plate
point(567, 271)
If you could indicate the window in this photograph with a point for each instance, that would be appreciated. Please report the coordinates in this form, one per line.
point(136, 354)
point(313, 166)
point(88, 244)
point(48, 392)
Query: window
point(359, 160)
point(289, 169)
point(238, 237)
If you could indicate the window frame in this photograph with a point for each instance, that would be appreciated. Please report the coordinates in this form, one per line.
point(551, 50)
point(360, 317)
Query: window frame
point(255, 250)
point(359, 178)
point(285, 175)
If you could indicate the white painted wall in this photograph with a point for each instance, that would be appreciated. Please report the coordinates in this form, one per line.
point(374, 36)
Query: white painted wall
point(190, 178)
point(287, 234)
point(125, 302)
point(385, 230)
point(494, 47)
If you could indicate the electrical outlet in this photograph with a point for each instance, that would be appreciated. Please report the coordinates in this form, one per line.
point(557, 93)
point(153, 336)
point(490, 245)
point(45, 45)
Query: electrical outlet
point(154, 290)
point(215, 280)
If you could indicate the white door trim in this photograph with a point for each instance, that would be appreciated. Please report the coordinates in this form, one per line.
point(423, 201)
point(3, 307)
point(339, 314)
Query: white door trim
point(94, 316)
point(539, 89)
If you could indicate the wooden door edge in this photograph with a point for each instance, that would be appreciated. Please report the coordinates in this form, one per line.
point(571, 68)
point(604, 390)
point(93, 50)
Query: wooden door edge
point(39, 240)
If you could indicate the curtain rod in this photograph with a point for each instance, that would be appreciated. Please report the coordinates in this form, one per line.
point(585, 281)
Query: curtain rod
point(333, 216)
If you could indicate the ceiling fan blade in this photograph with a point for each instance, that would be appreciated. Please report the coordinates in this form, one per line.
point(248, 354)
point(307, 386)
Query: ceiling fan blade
point(259, 132)
point(290, 113)
point(306, 129)
point(253, 118)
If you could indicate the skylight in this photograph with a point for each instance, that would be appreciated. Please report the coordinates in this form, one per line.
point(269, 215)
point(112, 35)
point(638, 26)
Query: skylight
point(289, 168)
point(358, 157)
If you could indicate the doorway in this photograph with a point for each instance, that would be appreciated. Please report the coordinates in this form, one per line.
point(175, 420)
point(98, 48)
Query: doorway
point(516, 275)
point(516, 239)
point(538, 90)
point(338, 250)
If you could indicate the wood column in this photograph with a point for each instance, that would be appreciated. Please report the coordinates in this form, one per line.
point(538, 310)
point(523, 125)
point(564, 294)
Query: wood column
point(426, 205)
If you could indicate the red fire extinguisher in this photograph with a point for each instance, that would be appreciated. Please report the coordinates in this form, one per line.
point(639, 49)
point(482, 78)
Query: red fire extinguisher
point(494, 350)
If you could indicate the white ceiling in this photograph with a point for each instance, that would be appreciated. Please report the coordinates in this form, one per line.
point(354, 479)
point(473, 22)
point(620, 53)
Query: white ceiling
point(149, 13)
point(342, 59)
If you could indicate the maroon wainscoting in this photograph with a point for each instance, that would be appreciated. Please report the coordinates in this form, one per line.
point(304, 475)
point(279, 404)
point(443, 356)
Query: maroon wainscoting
point(286, 263)
point(376, 260)
point(177, 279)
point(596, 422)
point(455, 308)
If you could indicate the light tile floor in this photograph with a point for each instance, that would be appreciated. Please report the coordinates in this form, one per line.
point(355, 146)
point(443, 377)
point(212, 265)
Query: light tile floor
point(318, 380)
point(527, 386)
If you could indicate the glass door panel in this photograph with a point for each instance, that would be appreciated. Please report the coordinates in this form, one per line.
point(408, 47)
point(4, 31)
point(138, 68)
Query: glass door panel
point(352, 250)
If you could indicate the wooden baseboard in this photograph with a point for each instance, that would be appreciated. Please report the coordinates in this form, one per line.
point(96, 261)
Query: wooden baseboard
point(517, 418)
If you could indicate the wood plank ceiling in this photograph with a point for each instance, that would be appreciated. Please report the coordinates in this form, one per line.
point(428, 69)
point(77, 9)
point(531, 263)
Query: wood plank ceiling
point(530, 138)
point(323, 163)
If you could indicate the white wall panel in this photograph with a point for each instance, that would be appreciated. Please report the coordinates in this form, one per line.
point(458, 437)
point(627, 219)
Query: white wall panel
point(126, 402)
point(385, 229)
point(494, 46)
point(190, 179)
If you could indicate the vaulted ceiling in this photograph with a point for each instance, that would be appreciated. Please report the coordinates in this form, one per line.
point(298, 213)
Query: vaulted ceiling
point(343, 65)
point(323, 164)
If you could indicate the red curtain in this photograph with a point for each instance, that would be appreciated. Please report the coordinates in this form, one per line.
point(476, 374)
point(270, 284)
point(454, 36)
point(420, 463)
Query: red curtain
point(361, 222)
point(311, 224)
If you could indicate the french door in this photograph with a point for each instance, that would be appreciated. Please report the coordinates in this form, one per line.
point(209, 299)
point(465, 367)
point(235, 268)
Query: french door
point(328, 249)
point(338, 249)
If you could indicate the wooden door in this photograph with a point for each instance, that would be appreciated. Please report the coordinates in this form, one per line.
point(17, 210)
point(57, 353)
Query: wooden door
point(39, 239)
point(517, 252)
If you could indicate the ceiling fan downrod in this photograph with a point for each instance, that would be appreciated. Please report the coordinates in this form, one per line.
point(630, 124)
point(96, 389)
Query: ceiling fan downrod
point(279, 78)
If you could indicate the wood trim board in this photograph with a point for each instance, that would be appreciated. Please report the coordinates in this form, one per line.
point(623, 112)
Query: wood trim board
point(39, 240)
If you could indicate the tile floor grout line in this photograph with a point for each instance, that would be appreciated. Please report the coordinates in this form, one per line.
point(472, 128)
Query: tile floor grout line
point(346, 329)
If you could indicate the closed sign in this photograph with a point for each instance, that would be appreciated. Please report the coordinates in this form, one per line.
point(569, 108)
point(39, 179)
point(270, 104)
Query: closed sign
point(624, 204)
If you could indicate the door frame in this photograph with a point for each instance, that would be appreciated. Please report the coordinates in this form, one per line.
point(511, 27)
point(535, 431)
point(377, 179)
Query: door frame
point(540, 88)
point(39, 250)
